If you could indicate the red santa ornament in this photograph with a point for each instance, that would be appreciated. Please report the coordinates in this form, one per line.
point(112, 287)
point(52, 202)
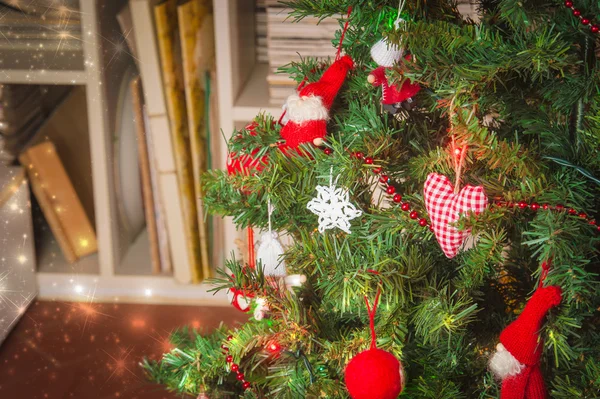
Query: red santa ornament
point(517, 358)
point(246, 164)
point(396, 96)
point(240, 299)
point(307, 112)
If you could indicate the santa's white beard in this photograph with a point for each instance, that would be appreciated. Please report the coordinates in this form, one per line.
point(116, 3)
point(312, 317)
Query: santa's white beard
point(304, 109)
point(503, 364)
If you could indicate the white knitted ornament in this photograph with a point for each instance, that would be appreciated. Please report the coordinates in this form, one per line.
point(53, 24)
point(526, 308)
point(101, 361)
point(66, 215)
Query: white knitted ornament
point(261, 309)
point(269, 254)
point(386, 54)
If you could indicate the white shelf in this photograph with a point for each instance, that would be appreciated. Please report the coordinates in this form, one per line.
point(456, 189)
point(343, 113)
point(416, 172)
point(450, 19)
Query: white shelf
point(51, 260)
point(254, 97)
point(137, 261)
point(43, 77)
point(126, 289)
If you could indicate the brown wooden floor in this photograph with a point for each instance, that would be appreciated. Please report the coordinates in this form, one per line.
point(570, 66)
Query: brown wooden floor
point(91, 351)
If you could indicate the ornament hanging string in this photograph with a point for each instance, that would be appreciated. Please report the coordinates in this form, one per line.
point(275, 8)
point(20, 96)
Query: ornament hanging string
point(372, 312)
point(339, 50)
point(458, 154)
point(399, 19)
point(270, 210)
point(251, 256)
point(545, 270)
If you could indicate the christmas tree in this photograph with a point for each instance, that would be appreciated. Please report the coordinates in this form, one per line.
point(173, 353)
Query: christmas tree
point(438, 180)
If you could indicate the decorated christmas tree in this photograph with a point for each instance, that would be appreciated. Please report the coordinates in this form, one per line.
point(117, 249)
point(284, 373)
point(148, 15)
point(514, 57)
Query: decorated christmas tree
point(437, 184)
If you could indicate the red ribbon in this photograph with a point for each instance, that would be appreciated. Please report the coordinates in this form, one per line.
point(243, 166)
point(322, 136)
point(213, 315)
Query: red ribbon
point(545, 270)
point(339, 51)
point(372, 312)
point(251, 257)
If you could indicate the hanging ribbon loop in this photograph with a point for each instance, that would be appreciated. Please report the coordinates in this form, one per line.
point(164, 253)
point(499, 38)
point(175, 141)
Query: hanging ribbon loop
point(339, 50)
point(372, 312)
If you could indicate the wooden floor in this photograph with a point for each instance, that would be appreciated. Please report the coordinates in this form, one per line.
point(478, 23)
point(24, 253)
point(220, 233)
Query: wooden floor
point(92, 351)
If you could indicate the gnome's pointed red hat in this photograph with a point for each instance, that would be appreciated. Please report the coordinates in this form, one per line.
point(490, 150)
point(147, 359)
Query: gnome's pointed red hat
point(521, 337)
point(330, 83)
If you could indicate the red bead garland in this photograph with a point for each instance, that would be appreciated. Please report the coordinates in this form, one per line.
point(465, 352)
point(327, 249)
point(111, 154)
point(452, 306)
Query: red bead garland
point(389, 189)
point(534, 206)
point(234, 367)
point(414, 215)
point(594, 28)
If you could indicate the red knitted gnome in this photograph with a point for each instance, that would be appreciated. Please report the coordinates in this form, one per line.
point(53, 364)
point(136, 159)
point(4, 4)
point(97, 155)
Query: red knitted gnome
point(246, 164)
point(517, 358)
point(393, 97)
point(307, 111)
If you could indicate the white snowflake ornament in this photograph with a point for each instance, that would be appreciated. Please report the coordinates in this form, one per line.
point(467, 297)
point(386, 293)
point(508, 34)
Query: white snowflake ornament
point(333, 207)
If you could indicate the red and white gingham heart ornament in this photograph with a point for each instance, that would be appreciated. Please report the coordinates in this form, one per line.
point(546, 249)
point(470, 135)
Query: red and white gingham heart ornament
point(445, 208)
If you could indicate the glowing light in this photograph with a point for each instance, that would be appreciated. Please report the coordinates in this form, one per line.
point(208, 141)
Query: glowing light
point(78, 289)
point(14, 206)
point(63, 35)
point(457, 151)
point(274, 347)
point(84, 243)
point(138, 323)
point(22, 259)
point(148, 292)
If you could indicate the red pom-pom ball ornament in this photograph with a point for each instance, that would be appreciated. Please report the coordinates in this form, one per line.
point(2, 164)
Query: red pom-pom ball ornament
point(374, 373)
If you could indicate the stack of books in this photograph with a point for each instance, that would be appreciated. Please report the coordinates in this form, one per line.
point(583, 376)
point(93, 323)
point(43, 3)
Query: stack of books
point(21, 115)
point(287, 41)
point(262, 54)
point(23, 109)
point(173, 43)
point(40, 35)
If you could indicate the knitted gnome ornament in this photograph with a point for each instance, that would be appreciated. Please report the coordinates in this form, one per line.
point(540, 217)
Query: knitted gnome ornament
point(517, 358)
point(374, 373)
point(240, 299)
point(246, 163)
point(307, 111)
point(445, 207)
point(270, 251)
point(269, 254)
point(396, 96)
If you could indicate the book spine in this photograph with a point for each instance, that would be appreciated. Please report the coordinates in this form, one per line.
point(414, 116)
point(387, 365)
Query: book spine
point(47, 208)
point(64, 200)
point(149, 65)
point(166, 29)
point(193, 16)
point(144, 162)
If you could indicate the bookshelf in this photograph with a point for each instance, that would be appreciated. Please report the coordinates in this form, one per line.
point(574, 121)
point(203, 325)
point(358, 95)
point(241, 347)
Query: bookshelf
point(120, 270)
point(242, 88)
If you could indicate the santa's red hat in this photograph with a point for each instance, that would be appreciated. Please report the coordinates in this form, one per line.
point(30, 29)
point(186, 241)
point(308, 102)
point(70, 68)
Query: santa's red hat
point(307, 111)
point(330, 83)
point(521, 338)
